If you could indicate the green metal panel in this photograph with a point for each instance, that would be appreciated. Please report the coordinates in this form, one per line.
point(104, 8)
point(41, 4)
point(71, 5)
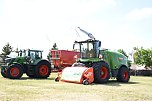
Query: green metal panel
point(114, 59)
point(35, 62)
point(89, 60)
point(20, 60)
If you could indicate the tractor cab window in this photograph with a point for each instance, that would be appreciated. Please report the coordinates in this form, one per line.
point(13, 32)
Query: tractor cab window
point(87, 50)
point(32, 55)
point(22, 53)
point(37, 55)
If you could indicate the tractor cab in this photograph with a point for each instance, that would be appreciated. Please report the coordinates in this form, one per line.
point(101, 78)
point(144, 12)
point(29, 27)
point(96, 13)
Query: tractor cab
point(34, 54)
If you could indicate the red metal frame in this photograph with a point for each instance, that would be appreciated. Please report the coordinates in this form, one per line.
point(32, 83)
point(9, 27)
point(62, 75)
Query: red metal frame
point(63, 58)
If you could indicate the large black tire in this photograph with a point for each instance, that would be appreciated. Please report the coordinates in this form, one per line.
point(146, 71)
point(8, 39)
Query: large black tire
point(14, 71)
point(43, 69)
point(123, 74)
point(101, 72)
point(3, 73)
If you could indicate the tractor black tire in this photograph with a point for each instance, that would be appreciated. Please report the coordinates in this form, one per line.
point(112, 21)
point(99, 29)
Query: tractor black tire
point(43, 69)
point(101, 72)
point(123, 74)
point(3, 73)
point(14, 71)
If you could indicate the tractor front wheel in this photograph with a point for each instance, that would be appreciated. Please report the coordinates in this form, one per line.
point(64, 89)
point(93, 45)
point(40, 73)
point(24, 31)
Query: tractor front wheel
point(101, 72)
point(3, 73)
point(15, 71)
point(43, 69)
point(123, 74)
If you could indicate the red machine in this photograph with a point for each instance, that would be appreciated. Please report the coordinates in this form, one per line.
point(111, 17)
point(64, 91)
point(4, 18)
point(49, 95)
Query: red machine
point(62, 58)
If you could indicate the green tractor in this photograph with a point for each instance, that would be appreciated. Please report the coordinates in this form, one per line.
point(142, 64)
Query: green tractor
point(105, 63)
point(29, 62)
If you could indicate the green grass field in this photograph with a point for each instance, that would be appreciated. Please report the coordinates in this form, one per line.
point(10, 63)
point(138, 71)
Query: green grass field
point(26, 89)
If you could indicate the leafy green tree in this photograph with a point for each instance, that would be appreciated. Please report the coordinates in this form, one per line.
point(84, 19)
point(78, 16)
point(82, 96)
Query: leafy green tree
point(55, 47)
point(143, 57)
point(124, 53)
point(7, 49)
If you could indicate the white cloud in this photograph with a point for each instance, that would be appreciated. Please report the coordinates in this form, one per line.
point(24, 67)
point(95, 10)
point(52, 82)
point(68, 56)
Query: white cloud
point(139, 14)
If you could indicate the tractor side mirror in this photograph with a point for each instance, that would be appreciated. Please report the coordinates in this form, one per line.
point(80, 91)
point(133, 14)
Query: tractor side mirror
point(73, 46)
point(99, 43)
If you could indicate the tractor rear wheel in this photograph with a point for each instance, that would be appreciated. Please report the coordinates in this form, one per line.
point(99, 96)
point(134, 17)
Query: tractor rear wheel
point(3, 73)
point(15, 71)
point(101, 72)
point(43, 69)
point(123, 74)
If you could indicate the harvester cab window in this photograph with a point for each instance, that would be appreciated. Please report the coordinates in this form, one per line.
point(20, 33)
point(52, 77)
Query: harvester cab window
point(76, 47)
point(87, 50)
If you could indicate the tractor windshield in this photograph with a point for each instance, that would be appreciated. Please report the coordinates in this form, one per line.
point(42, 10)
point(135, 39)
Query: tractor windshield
point(35, 54)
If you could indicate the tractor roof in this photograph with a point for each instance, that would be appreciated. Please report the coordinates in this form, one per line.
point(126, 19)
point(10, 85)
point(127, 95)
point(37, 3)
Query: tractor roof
point(36, 50)
point(89, 40)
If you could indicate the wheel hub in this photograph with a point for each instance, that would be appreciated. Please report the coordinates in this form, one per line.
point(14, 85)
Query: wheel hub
point(14, 71)
point(43, 70)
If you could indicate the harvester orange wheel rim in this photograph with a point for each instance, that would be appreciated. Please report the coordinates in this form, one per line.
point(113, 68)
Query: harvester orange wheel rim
point(104, 72)
point(14, 71)
point(44, 70)
point(125, 75)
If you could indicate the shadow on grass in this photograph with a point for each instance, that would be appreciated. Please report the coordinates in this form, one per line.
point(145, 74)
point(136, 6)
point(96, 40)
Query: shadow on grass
point(28, 78)
point(116, 83)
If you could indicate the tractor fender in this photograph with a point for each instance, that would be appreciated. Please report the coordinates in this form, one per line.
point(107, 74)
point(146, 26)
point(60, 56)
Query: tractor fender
point(116, 71)
point(17, 64)
point(40, 60)
point(106, 63)
point(122, 65)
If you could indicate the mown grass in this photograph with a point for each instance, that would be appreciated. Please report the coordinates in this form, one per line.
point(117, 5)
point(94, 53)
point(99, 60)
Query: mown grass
point(26, 89)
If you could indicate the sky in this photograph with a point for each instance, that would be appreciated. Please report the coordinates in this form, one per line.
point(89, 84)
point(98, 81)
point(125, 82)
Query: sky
point(38, 24)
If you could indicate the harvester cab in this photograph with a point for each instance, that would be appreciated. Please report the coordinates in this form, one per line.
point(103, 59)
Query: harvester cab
point(89, 50)
point(95, 65)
